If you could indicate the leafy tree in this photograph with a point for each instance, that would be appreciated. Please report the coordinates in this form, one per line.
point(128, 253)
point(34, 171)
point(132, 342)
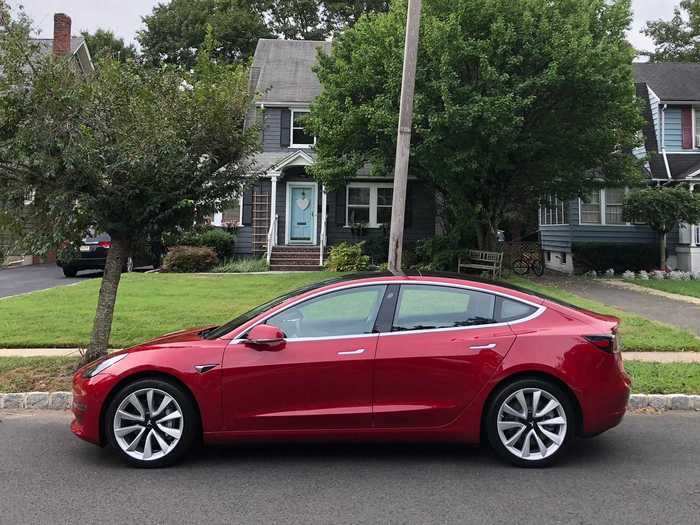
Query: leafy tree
point(662, 209)
point(130, 151)
point(678, 39)
point(316, 19)
point(514, 100)
point(103, 43)
point(176, 30)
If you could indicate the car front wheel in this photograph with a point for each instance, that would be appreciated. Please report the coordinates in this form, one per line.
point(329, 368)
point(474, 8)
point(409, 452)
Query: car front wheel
point(530, 422)
point(151, 423)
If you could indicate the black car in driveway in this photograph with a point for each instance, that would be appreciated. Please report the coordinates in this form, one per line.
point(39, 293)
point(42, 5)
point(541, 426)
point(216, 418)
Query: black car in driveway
point(92, 252)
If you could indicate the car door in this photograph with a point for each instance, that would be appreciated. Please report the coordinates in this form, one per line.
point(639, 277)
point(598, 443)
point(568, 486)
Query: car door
point(319, 378)
point(442, 347)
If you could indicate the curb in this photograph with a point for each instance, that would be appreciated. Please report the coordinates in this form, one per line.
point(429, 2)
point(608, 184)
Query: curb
point(64, 401)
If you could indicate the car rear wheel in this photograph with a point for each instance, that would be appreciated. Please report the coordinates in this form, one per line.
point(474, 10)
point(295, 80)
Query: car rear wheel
point(530, 422)
point(69, 271)
point(151, 423)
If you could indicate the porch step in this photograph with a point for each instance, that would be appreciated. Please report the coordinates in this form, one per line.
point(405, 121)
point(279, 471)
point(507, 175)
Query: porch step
point(294, 258)
point(295, 268)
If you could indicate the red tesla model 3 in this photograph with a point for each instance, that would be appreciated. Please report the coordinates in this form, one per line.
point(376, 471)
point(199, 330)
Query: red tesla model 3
point(423, 357)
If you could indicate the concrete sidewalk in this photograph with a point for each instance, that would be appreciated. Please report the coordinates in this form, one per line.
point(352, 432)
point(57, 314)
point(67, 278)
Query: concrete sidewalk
point(649, 357)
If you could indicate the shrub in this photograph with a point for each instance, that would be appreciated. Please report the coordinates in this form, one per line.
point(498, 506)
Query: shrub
point(346, 257)
point(189, 259)
point(246, 265)
point(603, 256)
point(218, 239)
point(438, 253)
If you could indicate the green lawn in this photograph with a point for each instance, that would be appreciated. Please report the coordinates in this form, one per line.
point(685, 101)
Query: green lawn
point(690, 288)
point(148, 305)
point(638, 334)
point(37, 374)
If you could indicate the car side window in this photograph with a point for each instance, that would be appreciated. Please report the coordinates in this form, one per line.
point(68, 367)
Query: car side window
point(511, 310)
point(425, 307)
point(345, 312)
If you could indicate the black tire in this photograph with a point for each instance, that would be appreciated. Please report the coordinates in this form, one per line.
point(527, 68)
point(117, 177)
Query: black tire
point(520, 266)
point(538, 267)
point(503, 395)
point(69, 271)
point(190, 428)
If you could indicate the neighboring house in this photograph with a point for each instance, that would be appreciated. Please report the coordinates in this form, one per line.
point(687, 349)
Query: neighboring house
point(670, 93)
point(74, 49)
point(287, 215)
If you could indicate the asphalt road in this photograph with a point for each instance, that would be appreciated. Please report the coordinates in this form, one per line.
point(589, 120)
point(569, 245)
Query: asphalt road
point(14, 281)
point(645, 471)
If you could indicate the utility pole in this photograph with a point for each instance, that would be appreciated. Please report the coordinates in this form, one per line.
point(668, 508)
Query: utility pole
point(403, 142)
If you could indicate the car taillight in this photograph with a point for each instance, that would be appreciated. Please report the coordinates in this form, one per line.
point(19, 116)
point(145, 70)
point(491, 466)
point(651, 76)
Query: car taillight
point(104, 244)
point(607, 343)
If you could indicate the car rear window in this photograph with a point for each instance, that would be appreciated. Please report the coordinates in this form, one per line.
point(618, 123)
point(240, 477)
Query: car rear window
point(512, 310)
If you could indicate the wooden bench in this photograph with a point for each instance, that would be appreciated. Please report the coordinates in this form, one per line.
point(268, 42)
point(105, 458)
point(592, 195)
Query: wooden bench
point(491, 262)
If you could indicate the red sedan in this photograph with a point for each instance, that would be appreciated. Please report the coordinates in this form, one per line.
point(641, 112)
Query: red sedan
point(423, 357)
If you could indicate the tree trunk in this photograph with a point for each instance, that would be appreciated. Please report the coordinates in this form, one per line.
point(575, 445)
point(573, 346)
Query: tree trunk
point(102, 327)
point(663, 252)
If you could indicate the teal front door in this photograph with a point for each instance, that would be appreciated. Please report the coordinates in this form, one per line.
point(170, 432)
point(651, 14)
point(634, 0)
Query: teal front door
point(302, 217)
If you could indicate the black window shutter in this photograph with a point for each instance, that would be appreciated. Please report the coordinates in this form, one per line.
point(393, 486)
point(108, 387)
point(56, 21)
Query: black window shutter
point(340, 207)
point(410, 206)
point(285, 123)
point(248, 208)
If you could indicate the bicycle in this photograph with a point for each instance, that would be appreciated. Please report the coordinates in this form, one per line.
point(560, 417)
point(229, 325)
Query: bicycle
point(528, 262)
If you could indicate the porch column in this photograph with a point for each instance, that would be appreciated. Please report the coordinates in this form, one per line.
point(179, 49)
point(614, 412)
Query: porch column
point(693, 227)
point(274, 176)
point(324, 226)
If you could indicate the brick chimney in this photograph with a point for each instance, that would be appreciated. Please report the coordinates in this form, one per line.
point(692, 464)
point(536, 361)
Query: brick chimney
point(61, 34)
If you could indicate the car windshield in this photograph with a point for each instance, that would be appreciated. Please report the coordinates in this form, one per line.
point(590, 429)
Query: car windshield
point(224, 329)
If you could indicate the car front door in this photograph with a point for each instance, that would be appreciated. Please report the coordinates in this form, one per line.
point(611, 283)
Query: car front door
point(442, 347)
point(320, 377)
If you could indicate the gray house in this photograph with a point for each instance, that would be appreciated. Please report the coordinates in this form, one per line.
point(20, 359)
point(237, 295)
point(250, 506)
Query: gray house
point(670, 93)
point(287, 216)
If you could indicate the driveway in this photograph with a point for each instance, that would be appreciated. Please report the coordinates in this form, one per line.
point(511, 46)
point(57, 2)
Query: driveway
point(675, 313)
point(14, 281)
point(644, 471)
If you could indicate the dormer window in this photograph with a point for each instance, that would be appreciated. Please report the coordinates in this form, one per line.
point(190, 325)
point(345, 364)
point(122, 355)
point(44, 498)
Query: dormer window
point(299, 138)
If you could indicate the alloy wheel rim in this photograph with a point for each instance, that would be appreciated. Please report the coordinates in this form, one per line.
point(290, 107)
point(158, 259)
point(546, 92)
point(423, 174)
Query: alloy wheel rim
point(148, 424)
point(531, 424)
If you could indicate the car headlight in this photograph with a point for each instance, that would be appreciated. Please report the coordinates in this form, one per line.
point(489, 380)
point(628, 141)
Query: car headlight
point(103, 365)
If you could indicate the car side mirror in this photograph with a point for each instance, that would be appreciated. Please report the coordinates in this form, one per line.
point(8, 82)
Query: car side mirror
point(265, 335)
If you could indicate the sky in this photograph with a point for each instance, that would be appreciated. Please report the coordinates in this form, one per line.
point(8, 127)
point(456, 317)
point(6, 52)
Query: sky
point(123, 17)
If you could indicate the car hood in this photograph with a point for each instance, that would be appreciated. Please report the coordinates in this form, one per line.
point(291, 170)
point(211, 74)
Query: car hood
point(181, 336)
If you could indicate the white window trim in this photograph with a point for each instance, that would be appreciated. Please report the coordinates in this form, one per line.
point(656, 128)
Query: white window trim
point(373, 187)
point(603, 215)
point(292, 112)
point(218, 219)
point(563, 208)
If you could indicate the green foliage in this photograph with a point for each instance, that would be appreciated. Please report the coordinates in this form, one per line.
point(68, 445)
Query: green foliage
point(316, 19)
point(246, 265)
point(678, 39)
point(219, 240)
point(603, 256)
point(175, 31)
point(133, 151)
point(662, 208)
point(438, 253)
point(104, 44)
point(346, 257)
point(189, 259)
point(514, 100)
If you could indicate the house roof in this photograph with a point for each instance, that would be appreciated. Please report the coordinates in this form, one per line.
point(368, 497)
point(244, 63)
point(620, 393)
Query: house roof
point(46, 44)
point(680, 166)
point(267, 160)
point(671, 81)
point(282, 70)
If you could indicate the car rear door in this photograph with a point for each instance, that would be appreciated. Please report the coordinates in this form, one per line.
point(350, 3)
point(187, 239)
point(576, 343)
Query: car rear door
point(443, 345)
point(319, 378)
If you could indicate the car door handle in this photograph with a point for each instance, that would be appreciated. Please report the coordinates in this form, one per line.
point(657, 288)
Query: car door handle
point(353, 352)
point(483, 347)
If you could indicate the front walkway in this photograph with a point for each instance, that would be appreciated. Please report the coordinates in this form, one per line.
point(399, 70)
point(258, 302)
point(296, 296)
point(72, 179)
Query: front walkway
point(663, 309)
